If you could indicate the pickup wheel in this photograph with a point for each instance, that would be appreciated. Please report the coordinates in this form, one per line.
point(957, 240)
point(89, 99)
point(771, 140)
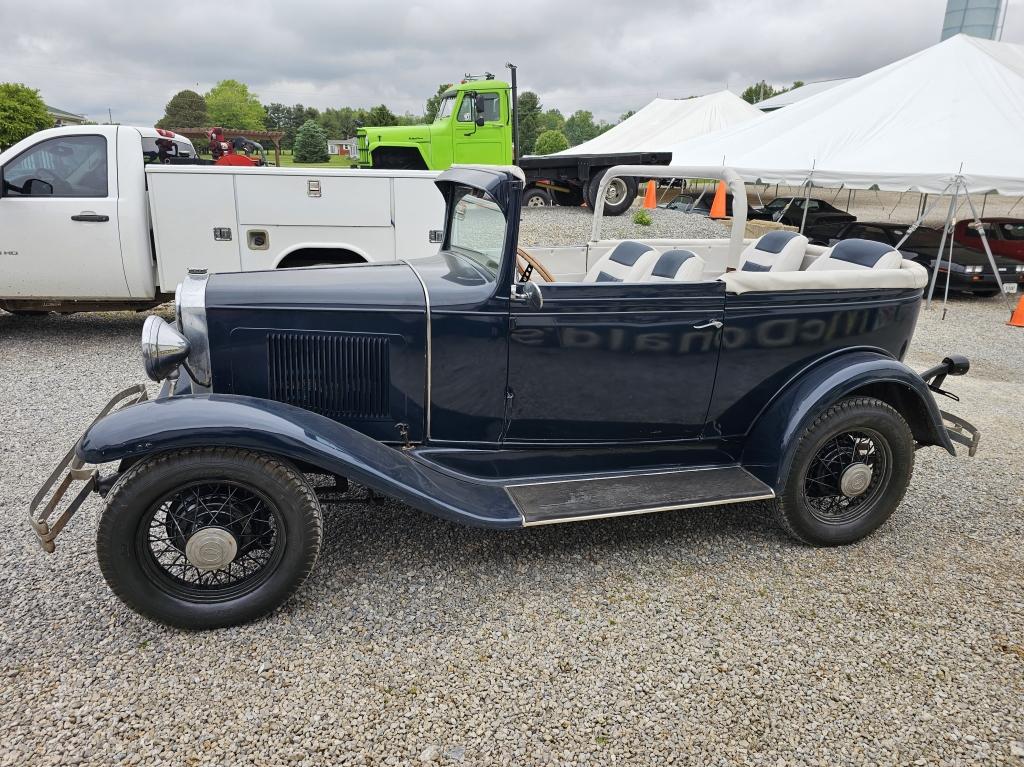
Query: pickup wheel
point(849, 473)
point(210, 537)
point(618, 197)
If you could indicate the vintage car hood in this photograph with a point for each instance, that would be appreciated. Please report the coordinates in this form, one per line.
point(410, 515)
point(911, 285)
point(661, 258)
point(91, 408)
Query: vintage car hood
point(347, 342)
point(392, 285)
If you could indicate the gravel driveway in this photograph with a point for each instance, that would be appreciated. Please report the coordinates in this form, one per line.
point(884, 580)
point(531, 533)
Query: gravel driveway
point(700, 637)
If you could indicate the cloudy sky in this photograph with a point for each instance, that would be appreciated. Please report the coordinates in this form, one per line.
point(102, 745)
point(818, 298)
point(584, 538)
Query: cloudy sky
point(602, 55)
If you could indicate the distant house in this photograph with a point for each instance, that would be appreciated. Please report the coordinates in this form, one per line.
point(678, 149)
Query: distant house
point(62, 118)
point(346, 148)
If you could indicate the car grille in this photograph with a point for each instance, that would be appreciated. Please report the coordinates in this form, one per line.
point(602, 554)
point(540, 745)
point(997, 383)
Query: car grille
point(338, 375)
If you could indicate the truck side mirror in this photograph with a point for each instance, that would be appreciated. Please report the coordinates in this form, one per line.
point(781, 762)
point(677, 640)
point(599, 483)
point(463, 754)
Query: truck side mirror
point(480, 121)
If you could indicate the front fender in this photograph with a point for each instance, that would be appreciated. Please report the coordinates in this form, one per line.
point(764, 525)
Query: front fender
point(224, 420)
point(771, 442)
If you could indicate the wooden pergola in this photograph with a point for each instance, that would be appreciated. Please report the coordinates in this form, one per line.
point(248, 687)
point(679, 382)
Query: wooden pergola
point(262, 136)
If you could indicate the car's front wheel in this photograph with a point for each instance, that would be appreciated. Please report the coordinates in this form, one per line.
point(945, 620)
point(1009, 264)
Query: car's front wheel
point(850, 470)
point(211, 537)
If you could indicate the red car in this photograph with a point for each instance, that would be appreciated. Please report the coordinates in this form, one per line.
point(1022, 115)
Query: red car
point(1005, 236)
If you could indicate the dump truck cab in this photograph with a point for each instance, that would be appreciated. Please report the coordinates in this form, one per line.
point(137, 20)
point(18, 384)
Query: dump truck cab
point(473, 126)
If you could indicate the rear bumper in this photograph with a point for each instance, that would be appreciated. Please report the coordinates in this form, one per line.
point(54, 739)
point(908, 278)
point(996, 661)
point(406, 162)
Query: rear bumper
point(957, 429)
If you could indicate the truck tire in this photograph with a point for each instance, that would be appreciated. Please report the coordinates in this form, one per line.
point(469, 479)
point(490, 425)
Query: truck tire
point(619, 195)
point(850, 469)
point(208, 537)
point(536, 198)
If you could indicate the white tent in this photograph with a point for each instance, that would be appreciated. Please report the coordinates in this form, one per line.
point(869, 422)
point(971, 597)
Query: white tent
point(951, 113)
point(665, 122)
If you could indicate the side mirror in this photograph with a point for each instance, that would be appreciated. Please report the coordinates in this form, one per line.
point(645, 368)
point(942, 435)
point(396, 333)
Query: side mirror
point(36, 187)
point(529, 294)
point(480, 121)
point(481, 104)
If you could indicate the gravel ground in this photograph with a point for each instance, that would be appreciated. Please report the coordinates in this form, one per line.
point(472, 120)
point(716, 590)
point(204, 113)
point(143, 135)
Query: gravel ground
point(571, 226)
point(702, 637)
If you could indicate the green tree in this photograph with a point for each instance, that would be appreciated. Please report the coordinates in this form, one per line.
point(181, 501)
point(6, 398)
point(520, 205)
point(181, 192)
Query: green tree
point(550, 141)
point(231, 105)
point(552, 119)
point(339, 123)
point(580, 127)
point(380, 116)
point(186, 109)
point(529, 108)
point(311, 143)
point(762, 90)
point(434, 103)
point(626, 115)
point(22, 113)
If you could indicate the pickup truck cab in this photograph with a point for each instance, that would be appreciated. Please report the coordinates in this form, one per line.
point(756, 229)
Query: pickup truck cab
point(97, 217)
point(501, 388)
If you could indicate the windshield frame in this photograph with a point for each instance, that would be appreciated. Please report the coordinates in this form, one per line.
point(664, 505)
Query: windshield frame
point(492, 266)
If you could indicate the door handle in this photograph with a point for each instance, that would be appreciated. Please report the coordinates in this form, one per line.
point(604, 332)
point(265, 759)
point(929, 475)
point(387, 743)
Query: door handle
point(94, 217)
point(709, 324)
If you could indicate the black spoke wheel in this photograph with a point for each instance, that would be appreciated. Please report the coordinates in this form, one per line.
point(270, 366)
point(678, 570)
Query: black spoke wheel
point(849, 472)
point(211, 541)
point(208, 537)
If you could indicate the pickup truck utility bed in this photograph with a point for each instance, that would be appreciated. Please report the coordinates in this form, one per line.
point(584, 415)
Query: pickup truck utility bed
point(86, 223)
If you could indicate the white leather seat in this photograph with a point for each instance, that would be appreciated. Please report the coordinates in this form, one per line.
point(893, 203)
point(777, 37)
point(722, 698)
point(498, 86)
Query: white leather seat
point(779, 251)
point(622, 263)
point(857, 255)
point(673, 266)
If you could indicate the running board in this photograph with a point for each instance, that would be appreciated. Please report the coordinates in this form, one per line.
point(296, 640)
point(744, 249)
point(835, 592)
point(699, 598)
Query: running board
point(545, 503)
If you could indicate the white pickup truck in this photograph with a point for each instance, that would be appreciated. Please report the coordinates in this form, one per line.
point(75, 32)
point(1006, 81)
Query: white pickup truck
point(89, 220)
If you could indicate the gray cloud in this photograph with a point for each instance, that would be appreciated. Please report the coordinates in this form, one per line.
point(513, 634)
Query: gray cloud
point(608, 57)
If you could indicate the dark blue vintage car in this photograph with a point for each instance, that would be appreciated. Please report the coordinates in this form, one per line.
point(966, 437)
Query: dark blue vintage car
point(503, 388)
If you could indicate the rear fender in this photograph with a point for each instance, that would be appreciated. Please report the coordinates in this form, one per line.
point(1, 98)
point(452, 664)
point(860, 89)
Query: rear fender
point(771, 442)
point(308, 439)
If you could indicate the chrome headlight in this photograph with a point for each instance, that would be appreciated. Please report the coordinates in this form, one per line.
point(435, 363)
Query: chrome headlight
point(163, 348)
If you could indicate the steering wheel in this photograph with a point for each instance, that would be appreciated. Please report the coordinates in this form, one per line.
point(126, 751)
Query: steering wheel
point(59, 185)
point(527, 264)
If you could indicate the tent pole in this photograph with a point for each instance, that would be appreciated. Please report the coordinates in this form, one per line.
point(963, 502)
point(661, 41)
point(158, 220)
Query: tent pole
point(988, 250)
point(849, 199)
point(949, 271)
point(807, 197)
point(942, 243)
point(914, 226)
point(984, 201)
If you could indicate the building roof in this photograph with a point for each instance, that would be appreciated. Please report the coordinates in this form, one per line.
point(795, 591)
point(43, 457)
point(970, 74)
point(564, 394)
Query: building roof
point(62, 114)
point(799, 94)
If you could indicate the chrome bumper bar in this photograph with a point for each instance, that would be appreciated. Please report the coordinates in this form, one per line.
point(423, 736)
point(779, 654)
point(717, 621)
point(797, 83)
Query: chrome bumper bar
point(961, 432)
point(42, 513)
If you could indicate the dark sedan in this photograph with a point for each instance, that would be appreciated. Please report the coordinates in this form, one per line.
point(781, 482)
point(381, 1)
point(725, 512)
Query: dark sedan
point(823, 219)
point(970, 270)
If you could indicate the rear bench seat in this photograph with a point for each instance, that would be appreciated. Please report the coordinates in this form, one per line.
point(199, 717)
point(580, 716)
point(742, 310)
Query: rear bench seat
point(631, 261)
point(850, 265)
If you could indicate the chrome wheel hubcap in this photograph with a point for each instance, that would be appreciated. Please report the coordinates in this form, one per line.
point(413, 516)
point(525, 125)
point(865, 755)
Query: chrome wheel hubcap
point(211, 548)
point(616, 190)
point(855, 480)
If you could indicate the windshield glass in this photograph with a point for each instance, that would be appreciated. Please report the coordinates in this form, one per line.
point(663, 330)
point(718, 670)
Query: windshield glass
point(1012, 231)
point(477, 228)
point(444, 111)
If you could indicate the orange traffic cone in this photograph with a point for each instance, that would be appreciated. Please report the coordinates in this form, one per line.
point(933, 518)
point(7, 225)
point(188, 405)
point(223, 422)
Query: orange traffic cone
point(650, 200)
point(1017, 318)
point(718, 204)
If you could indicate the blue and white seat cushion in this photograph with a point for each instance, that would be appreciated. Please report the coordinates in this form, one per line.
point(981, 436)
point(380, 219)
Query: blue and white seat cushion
point(672, 266)
point(779, 251)
point(850, 255)
point(621, 262)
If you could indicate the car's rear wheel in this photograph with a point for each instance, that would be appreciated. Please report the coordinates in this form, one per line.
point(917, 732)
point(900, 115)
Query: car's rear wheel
point(208, 537)
point(850, 470)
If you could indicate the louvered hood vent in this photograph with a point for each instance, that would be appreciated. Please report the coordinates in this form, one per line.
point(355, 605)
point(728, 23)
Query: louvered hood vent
point(341, 376)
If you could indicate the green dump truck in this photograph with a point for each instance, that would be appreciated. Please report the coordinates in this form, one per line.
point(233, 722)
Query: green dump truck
point(476, 124)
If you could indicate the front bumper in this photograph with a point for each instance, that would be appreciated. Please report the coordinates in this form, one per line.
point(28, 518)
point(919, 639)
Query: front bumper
point(43, 515)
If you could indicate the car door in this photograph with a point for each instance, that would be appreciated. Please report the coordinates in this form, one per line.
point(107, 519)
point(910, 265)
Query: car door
point(59, 234)
point(606, 362)
point(480, 144)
